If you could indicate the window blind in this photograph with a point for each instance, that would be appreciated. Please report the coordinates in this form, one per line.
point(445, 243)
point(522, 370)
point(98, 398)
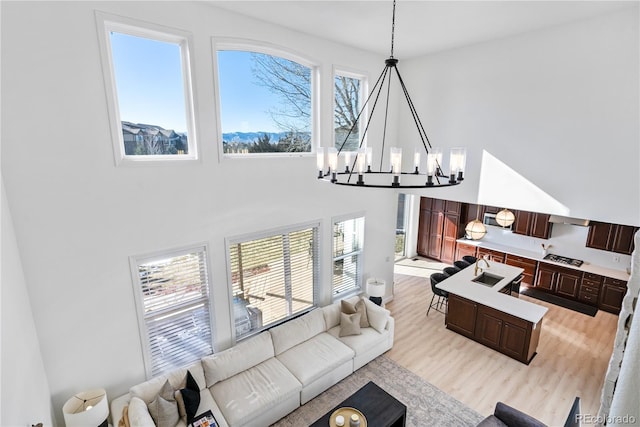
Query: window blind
point(175, 304)
point(347, 254)
point(272, 278)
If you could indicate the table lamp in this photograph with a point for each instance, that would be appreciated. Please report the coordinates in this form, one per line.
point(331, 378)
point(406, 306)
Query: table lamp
point(87, 409)
point(376, 289)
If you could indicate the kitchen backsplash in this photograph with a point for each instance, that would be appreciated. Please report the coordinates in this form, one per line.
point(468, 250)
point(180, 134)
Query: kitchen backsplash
point(566, 240)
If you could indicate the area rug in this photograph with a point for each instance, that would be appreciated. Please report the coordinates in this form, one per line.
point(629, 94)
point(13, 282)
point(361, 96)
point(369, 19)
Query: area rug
point(562, 302)
point(426, 404)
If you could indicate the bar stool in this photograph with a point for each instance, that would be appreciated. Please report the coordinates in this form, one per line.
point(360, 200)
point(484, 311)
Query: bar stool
point(450, 271)
point(435, 279)
point(470, 259)
point(461, 264)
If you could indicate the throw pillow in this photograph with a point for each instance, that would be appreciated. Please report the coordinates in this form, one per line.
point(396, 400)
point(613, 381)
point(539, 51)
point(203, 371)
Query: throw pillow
point(359, 307)
point(377, 315)
point(349, 324)
point(188, 399)
point(163, 408)
point(138, 413)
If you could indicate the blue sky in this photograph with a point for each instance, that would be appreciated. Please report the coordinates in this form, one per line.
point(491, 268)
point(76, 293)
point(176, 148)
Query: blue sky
point(150, 90)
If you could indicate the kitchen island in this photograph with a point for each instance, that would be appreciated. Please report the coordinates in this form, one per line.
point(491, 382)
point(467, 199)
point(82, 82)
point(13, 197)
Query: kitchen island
point(479, 310)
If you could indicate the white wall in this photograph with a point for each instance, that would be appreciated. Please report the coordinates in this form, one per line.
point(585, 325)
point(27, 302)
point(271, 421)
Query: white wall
point(78, 217)
point(558, 107)
point(24, 387)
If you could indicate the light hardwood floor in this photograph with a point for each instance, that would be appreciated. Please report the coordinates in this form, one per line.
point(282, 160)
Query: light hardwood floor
point(573, 355)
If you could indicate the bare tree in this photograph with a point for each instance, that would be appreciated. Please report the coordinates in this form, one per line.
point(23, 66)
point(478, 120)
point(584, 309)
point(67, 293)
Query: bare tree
point(291, 82)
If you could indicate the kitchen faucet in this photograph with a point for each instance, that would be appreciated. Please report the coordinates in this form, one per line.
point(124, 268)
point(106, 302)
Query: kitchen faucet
point(476, 268)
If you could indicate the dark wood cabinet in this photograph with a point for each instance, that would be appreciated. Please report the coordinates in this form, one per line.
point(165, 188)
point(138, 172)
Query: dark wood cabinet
point(510, 335)
point(590, 289)
point(527, 264)
point(439, 228)
point(611, 295)
point(461, 315)
point(491, 255)
point(611, 237)
point(463, 249)
point(561, 281)
point(522, 223)
point(532, 224)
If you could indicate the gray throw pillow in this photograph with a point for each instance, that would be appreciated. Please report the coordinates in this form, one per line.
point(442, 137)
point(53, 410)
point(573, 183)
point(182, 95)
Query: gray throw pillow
point(349, 324)
point(359, 307)
point(164, 409)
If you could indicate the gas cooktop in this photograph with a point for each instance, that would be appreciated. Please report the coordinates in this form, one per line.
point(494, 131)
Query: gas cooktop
point(563, 260)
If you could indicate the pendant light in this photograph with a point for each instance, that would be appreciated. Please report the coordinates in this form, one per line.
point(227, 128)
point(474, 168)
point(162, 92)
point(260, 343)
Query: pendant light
point(475, 230)
point(505, 218)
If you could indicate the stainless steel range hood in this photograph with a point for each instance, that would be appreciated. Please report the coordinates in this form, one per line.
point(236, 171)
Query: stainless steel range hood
point(557, 219)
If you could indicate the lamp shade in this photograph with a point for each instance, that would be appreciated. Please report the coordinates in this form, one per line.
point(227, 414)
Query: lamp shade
point(475, 230)
point(87, 409)
point(376, 287)
point(505, 217)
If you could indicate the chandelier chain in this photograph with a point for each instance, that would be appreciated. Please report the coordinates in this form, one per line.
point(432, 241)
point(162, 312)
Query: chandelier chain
point(393, 26)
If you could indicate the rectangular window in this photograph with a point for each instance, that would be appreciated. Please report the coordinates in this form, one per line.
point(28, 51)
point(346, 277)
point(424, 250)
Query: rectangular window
point(172, 292)
point(147, 71)
point(266, 101)
point(348, 89)
point(273, 278)
point(348, 237)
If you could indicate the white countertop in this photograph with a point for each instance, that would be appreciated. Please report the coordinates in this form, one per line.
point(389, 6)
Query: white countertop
point(461, 284)
point(537, 256)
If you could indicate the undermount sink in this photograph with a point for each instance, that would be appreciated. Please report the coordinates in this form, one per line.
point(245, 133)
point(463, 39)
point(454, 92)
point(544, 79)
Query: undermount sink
point(487, 279)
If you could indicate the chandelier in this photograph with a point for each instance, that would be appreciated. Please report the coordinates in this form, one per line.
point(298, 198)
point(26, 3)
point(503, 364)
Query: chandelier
point(358, 165)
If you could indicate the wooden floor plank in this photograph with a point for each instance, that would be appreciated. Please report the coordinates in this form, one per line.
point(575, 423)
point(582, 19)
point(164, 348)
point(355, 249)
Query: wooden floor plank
point(572, 359)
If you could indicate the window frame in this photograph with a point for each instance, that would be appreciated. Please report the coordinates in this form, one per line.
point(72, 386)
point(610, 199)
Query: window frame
point(358, 289)
point(134, 262)
point(250, 45)
point(107, 23)
point(364, 90)
point(317, 282)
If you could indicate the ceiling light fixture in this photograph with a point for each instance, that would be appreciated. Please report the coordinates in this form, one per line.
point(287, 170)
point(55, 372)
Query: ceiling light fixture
point(505, 217)
point(393, 177)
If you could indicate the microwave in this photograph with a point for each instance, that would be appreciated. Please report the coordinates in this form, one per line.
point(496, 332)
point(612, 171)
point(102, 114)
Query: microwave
point(490, 219)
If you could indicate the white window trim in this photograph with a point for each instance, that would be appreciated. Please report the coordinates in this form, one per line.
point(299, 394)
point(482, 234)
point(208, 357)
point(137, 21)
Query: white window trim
point(105, 23)
point(250, 45)
point(364, 93)
point(360, 288)
point(261, 235)
point(134, 262)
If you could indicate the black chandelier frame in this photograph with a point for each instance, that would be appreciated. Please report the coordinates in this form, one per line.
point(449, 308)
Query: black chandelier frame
point(431, 181)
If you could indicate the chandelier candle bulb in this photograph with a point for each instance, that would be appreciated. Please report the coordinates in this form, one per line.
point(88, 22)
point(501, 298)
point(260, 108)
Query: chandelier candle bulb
point(360, 162)
point(332, 153)
point(396, 165)
point(320, 162)
point(416, 161)
point(369, 152)
point(347, 161)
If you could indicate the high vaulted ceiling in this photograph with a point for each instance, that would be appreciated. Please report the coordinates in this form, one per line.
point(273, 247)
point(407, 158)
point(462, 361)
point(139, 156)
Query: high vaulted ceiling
point(422, 27)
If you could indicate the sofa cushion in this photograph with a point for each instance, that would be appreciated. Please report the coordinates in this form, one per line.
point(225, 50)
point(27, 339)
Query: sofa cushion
point(298, 330)
point(358, 307)
point(138, 413)
point(148, 390)
point(378, 316)
point(349, 324)
point(315, 357)
point(239, 358)
point(367, 338)
point(163, 408)
point(253, 391)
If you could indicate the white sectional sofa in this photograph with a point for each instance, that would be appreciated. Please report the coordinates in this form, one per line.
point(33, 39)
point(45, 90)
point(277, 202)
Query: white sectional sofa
point(267, 376)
